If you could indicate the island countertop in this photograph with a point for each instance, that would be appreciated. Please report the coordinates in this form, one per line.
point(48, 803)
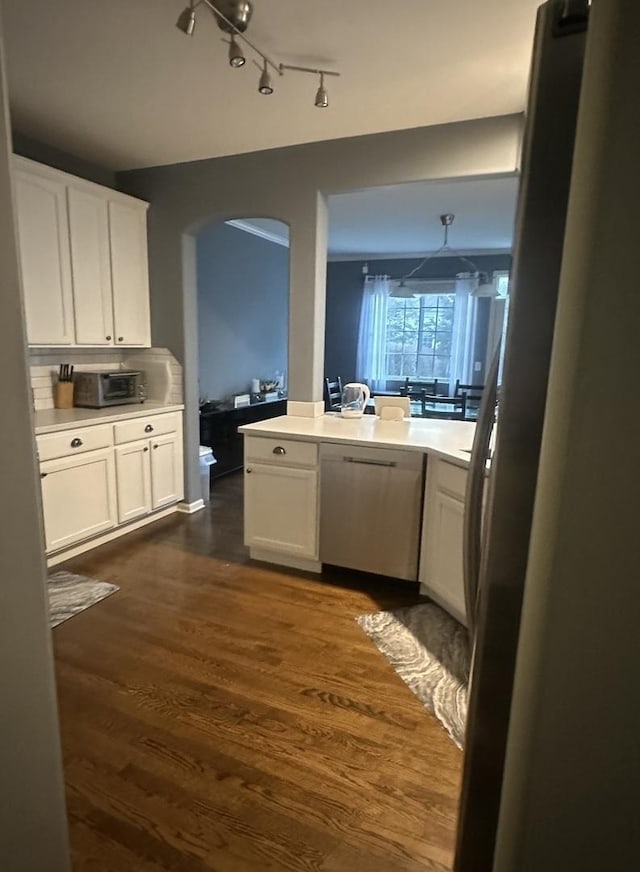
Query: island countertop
point(451, 440)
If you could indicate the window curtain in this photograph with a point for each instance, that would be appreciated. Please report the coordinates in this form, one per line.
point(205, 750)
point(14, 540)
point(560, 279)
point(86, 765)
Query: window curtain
point(371, 362)
point(463, 330)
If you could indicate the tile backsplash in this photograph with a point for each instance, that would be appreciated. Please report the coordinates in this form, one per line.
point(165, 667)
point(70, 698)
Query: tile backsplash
point(164, 371)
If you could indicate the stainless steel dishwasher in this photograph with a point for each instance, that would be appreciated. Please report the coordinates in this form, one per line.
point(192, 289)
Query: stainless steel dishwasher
point(371, 508)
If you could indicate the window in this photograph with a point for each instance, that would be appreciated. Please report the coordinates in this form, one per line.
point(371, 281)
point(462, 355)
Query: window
point(419, 336)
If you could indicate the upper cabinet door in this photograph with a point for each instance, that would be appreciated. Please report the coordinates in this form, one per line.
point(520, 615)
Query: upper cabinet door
point(129, 274)
point(90, 267)
point(43, 239)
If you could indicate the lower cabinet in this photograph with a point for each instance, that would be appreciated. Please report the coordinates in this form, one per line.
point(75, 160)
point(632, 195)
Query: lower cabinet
point(441, 567)
point(78, 497)
point(281, 497)
point(91, 485)
point(133, 471)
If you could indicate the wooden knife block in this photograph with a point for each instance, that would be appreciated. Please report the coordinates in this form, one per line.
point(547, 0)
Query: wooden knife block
point(63, 395)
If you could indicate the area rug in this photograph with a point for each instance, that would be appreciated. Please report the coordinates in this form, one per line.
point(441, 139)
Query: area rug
point(430, 652)
point(70, 594)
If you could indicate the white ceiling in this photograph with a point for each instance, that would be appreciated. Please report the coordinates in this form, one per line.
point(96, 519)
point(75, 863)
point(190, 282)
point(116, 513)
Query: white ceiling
point(403, 220)
point(117, 83)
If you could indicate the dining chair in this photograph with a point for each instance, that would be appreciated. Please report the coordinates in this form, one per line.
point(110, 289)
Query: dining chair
point(415, 389)
point(473, 392)
point(333, 394)
point(446, 408)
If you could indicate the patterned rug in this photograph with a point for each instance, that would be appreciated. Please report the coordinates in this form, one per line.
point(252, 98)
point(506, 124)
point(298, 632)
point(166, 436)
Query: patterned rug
point(430, 652)
point(70, 594)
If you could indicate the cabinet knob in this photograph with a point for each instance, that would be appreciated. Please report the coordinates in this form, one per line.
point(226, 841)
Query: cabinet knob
point(120, 338)
point(146, 448)
point(76, 443)
point(155, 446)
point(44, 474)
point(108, 338)
point(249, 470)
point(279, 450)
point(148, 429)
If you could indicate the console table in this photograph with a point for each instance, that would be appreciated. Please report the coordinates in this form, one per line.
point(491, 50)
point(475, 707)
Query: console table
point(219, 431)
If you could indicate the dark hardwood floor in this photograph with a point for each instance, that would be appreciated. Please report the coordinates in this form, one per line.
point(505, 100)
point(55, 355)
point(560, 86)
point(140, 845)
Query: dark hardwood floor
point(223, 715)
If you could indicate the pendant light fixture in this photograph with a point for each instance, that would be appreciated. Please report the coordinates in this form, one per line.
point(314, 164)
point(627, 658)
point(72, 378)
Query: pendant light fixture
point(233, 17)
point(484, 286)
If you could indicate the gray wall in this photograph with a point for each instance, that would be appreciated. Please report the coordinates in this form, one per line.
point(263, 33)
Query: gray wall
point(61, 160)
point(572, 777)
point(290, 184)
point(344, 298)
point(33, 830)
point(243, 300)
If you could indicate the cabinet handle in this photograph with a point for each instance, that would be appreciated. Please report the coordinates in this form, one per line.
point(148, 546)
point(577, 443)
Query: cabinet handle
point(108, 338)
point(279, 450)
point(76, 443)
point(389, 463)
point(249, 470)
point(120, 338)
point(148, 429)
point(44, 474)
point(146, 448)
point(155, 446)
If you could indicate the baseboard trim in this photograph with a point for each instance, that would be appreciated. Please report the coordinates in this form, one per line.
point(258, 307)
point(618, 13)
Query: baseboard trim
point(289, 560)
point(190, 508)
point(83, 547)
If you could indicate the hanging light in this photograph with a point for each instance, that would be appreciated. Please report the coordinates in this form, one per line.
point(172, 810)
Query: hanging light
point(187, 21)
point(322, 98)
point(402, 292)
point(471, 270)
point(265, 85)
point(236, 55)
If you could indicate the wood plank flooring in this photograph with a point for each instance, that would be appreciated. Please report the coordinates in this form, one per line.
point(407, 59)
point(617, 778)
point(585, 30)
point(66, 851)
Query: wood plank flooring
point(223, 715)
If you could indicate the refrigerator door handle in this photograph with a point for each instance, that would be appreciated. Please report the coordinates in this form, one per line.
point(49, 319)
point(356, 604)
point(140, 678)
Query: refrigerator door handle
point(472, 531)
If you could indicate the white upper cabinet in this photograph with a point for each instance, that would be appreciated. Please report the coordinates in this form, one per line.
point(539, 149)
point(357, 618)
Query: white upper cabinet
point(83, 254)
point(90, 267)
point(43, 238)
point(129, 274)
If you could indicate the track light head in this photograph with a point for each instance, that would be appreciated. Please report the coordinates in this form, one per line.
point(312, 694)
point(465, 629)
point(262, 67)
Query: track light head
point(265, 85)
point(236, 55)
point(322, 98)
point(187, 21)
point(237, 12)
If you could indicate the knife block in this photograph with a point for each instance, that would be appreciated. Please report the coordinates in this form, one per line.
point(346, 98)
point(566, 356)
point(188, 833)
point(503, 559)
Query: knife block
point(63, 395)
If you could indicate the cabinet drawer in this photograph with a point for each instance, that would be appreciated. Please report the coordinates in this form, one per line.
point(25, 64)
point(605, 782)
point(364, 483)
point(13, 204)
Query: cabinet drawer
point(451, 479)
point(284, 452)
point(145, 428)
point(70, 442)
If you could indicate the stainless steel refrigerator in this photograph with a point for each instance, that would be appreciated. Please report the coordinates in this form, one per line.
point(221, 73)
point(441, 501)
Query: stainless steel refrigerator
point(496, 546)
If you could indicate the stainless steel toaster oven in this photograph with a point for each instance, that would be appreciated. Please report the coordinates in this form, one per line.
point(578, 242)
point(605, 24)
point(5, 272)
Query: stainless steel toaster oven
point(96, 390)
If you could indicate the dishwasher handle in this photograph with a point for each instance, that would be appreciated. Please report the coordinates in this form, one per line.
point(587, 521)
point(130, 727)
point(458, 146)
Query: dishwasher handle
point(388, 463)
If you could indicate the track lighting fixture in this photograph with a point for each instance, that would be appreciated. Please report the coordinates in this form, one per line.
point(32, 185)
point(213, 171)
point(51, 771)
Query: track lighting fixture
point(265, 85)
point(187, 20)
point(236, 55)
point(232, 17)
point(322, 98)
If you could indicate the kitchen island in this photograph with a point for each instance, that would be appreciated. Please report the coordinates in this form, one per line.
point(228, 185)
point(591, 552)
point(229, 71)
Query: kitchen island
point(353, 492)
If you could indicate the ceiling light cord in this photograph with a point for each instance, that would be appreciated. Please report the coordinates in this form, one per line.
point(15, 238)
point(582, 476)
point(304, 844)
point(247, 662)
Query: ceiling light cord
point(187, 22)
point(446, 220)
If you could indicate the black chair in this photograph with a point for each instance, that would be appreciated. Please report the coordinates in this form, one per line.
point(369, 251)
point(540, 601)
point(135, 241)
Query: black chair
point(333, 394)
point(415, 389)
point(472, 392)
point(451, 408)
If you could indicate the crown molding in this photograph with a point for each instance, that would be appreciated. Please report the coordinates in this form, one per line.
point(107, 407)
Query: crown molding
point(258, 231)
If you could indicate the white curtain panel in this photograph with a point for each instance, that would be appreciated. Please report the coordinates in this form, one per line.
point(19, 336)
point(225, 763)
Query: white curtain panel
point(372, 335)
point(463, 330)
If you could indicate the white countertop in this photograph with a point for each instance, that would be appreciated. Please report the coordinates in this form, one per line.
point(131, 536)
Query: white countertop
point(55, 420)
point(446, 439)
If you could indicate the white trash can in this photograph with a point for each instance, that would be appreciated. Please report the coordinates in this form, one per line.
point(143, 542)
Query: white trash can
point(206, 462)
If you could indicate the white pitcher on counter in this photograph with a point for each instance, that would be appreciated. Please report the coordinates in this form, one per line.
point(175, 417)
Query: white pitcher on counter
point(354, 400)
